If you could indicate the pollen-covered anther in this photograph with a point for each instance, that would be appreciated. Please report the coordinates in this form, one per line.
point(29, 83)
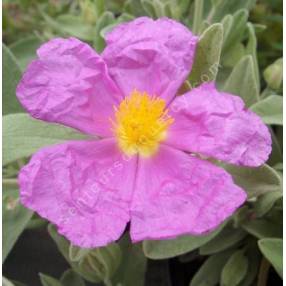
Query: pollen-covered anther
point(141, 123)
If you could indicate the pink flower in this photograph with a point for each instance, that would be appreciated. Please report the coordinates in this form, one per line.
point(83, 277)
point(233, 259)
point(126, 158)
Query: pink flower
point(145, 167)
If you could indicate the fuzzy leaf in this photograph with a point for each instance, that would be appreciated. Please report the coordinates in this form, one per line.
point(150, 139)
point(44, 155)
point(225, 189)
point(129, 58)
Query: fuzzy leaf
point(225, 239)
point(273, 74)
point(198, 15)
point(63, 245)
point(265, 202)
point(6, 282)
point(47, 280)
point(103, 27)
point(235, 269)
point(207, 56)
point(105, 20)
point(15, 219)
point(23, 135)
point(251, 49)
point(236, 31)
point(262, 228)
point(270, 109)
point(75, 26)
point(276, 156)
point(98, 264)
point(133, 265)
point(254, 258)
point(242, 81)
point(170, 248)
point(159, 8)
point(209, 272)
point(11, 77)
point(71, 278)
point(272, 249)
point(255, 181)
point(25, 50)
point(227, 24)
point(149, 8)
point(71, 25)
point(224, 7)
point(233, 55)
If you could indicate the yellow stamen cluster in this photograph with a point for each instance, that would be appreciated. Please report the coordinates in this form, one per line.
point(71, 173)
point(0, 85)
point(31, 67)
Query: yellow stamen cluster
point(141, 123)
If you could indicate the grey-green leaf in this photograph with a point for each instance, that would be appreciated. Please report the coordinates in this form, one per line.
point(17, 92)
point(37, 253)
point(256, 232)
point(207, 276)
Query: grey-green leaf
point(235, 269)
point(71, 25)
point(6, 282)
point(133, 265)
point(242, 81)
point(227, 24)
point(272, 249)
point(207, 57)
point(75, 26)
point(251, 49)
point(224, 7)
point(237, 29)
point(162, 249)
point(159, 8)
point(224, 240)
point(107, 23)
point(270, 109)
point(97, 264)
point(276, 156)
point(253, 256)
point(262, 228)
point(198, 15)
point(209, 272)
point(47, 280)
point(255, 181)
point(233, 55)
point(23, 135)
point(63, 245)
point(25, 50)
point(11, 77)
point(105, 20)
point(149, 8)
point(265, 203)
point(273, 74)
point(71, 278)
point(15, 219)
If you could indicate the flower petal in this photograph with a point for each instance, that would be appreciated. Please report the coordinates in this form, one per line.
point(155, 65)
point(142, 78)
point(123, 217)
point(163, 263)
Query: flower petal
point(217, 124)
point(151, 56)
point(177, 194)
point(69, 84)
point(78, 186)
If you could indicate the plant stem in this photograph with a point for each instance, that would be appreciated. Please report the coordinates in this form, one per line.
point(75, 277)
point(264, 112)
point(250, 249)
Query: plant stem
point(263, 272)
point(198, 15)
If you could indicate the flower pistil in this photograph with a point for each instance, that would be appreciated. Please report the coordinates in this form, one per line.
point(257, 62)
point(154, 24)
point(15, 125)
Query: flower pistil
point(141, 123)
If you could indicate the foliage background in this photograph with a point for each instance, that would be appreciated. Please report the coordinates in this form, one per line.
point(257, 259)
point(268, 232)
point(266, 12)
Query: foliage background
point(243, 39)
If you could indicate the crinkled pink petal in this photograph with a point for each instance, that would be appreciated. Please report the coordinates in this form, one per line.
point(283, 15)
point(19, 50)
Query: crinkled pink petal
point(69, 84)
point(152, 56)
point(217, 124)
point(177, 194)
point(78, 186)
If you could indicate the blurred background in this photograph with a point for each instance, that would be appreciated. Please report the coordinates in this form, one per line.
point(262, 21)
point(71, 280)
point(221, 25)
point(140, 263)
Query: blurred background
point(247, 46)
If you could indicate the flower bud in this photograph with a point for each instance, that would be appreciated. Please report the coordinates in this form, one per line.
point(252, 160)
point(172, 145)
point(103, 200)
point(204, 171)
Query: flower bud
point(98, 264)
point(273, 74)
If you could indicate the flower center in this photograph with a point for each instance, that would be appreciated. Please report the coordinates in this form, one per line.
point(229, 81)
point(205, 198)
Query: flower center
point(141, 123)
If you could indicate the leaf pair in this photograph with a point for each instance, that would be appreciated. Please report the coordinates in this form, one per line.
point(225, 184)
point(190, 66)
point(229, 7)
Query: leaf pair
point(121, 262)
point(69, 278)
